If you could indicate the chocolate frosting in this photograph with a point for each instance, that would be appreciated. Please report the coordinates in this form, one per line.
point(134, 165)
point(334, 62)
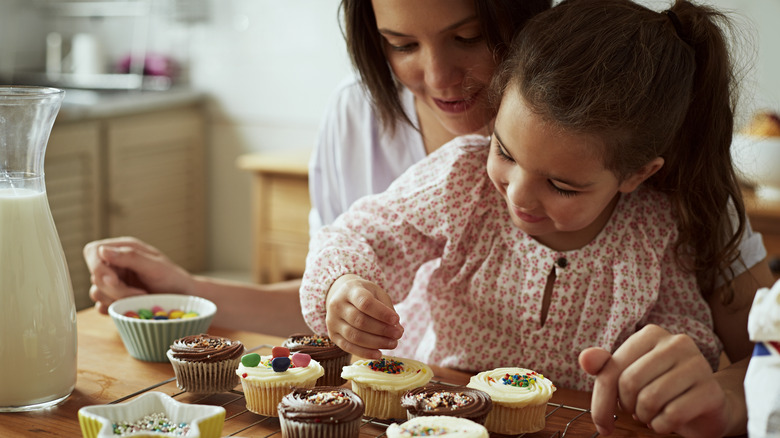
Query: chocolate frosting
point(321, 404)
point(454, 401)
point(318, 347)
point(206, 348)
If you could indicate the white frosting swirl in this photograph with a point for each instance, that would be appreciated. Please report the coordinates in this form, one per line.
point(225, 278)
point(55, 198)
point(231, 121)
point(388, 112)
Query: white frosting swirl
point(389, 373)
point(454, 427)
point(263, 373)
point(517, 387)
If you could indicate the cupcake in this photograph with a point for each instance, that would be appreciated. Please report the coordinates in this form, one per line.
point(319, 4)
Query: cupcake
point(266, 379)
point(324, 351)
point(322, 411)
point(381, 383)
point(452, 401)
point(205, 364)
point(519, 397)
point(437, 426)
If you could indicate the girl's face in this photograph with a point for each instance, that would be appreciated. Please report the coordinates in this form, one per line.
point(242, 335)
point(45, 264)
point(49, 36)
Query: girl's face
point(436, 49)
point(554, 182)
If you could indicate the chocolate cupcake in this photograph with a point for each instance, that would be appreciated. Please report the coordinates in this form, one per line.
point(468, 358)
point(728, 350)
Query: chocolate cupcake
point(324, 351)
point(323, 411)
point(452, 401)
point(205, 364)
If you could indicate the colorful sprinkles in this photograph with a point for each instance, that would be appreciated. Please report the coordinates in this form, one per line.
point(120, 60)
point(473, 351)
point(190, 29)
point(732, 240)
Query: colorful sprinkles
point(156, 422)
point(418, 430)
point(314, 341)
point(157, 312)
point(521, 380)
point(385, 365)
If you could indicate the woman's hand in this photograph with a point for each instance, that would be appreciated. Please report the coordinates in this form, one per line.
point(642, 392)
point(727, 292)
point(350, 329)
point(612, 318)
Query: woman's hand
point(125, 266)
point(360, 317)
point(662, 380)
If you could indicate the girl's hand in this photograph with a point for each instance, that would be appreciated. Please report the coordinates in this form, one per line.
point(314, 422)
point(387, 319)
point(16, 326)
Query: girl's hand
point(125, 266)
point(662, 380)
point(360, 317)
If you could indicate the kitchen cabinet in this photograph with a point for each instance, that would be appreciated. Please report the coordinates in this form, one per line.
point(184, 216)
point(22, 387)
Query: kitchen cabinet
point(280, 214)
point(140, 175)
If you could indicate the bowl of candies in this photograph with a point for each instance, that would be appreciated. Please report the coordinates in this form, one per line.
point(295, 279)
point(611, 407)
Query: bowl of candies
point(148, 324)
point(151, 414)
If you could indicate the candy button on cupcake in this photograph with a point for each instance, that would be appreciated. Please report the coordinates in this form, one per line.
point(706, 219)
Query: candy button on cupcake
point(266, 379)
point(381, 383)
point(519, 397)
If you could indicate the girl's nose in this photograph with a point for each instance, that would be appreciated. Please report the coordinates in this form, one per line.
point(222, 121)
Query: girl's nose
point(520, 191)
point(441, 72)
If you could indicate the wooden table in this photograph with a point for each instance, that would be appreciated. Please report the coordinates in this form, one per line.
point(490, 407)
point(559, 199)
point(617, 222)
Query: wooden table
point(107, 374)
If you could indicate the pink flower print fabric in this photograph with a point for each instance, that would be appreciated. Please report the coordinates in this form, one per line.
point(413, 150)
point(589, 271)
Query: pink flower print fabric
point(482, 281)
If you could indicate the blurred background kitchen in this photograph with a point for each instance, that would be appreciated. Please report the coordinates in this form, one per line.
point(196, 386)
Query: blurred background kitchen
point(188, 123)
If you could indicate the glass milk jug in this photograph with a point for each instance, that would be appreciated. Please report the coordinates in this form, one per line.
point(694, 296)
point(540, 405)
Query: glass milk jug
point(37, 310)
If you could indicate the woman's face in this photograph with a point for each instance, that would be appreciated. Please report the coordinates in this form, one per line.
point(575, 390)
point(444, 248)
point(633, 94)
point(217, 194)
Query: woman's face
point(554, 182)
point(436, 49)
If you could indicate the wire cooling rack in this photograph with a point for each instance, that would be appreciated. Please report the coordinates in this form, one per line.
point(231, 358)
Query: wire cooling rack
point(562, 420)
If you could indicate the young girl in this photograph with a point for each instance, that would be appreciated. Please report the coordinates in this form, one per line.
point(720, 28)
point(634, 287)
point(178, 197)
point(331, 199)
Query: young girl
point(608, 203)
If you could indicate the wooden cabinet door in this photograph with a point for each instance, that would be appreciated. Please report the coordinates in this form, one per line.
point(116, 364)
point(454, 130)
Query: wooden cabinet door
point(156, 187)
point(73, 174)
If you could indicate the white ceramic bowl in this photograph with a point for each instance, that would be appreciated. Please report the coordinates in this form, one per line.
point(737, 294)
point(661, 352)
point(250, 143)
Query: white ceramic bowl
point(149, 339)
point(757, 160)
point(205, 421)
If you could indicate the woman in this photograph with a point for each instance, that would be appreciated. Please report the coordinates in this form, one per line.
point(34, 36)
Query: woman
point(423, 68)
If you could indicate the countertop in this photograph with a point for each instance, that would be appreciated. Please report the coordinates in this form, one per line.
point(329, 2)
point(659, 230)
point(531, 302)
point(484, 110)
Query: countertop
point(80, 104)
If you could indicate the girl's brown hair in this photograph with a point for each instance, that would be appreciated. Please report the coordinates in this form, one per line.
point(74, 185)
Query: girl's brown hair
point(500, 21)
point(649, 84)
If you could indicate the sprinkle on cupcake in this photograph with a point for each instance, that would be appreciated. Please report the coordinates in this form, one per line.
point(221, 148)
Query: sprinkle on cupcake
point(384, 365)
point(443, 400)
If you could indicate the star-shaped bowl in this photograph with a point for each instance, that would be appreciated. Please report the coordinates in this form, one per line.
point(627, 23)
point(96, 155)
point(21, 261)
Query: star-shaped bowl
point(204, 421)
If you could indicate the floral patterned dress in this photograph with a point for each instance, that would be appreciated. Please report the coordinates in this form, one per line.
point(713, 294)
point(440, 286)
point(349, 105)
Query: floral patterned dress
point(481, 289)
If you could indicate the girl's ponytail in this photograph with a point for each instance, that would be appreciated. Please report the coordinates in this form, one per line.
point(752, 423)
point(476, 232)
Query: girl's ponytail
point(698, 173)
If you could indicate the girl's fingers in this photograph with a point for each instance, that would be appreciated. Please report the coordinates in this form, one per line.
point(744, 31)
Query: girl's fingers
point(598, 362)
point(698, 413)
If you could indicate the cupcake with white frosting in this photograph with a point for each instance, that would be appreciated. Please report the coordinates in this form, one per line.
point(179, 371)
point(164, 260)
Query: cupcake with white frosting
point(519, 398)
point(381, 383)
point(267, 379)
point(446, 426)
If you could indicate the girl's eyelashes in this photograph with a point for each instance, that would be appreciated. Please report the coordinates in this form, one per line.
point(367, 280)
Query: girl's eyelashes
point(502, 154)
point(562, 192)
point(402, 48)
point(474, 40)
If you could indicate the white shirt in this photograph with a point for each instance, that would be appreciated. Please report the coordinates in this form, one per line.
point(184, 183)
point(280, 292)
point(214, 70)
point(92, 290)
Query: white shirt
point(354, 155)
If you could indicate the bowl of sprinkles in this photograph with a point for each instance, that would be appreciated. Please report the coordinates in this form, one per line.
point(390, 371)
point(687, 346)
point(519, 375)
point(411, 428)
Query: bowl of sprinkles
point(152, 414)
point(148, 324)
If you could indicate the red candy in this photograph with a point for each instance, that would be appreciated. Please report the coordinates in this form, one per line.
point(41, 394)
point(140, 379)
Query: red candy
point(131, 314)
point(301, 360)
point(280, 352)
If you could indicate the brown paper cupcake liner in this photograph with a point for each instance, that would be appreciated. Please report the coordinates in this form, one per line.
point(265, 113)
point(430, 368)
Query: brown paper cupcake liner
point(512, 421)
point(333, 368)
point(264, 398)
point(205, 378)
point(380, 404)
point(295, 429)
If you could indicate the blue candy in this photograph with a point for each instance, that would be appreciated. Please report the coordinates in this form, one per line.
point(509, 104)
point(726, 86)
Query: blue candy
point(280, 364)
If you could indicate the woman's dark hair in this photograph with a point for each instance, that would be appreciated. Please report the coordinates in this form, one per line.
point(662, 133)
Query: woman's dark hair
point(500, 21)
point(649, 84)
